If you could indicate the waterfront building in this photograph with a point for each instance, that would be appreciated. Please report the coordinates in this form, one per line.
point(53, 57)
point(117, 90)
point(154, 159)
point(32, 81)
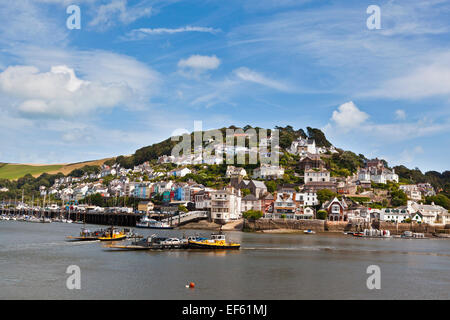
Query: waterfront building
point(145, 206)
point(398, 215)
point(432, 214)
point(306, 199)
point(336, 209)
point(284, 205)
point(225, 205)
point(250, 202)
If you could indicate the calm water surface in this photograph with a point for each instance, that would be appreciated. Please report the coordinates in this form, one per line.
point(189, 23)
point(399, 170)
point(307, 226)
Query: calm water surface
point(34, 258)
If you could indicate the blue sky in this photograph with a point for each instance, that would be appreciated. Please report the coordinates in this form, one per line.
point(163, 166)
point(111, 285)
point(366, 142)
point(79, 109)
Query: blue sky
point(137, 71)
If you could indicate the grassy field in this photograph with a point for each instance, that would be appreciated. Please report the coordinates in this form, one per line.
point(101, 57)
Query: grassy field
point(14, 171)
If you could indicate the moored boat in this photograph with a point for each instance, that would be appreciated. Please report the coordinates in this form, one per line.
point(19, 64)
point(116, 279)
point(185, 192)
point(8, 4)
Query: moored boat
point(87, 235)
point(145, 222)
point(217, 241)
point(113, 234)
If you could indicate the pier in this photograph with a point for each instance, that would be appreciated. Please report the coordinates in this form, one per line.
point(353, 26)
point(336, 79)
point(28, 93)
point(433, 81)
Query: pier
point(106, 218)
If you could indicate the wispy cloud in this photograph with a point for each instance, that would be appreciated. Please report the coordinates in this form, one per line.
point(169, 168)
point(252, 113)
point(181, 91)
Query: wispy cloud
point(118, 11)
point(141, 33)
point(246, 74)
point(428, 80)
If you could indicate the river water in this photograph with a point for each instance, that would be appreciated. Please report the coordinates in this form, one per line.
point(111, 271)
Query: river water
point(34, 258)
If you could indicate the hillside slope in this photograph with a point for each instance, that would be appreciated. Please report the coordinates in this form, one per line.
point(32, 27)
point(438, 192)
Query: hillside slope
point(13, 171)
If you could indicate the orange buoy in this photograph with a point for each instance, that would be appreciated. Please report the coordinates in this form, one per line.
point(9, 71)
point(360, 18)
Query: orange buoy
point(191, 285)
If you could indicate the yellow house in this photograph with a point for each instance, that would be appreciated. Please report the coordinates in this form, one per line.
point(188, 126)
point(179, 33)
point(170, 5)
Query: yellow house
point(146, 206)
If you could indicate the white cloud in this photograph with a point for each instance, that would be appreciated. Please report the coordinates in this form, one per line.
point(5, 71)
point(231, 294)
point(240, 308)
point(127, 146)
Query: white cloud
point(141, 33)
point(58, 92)
point(200, 63)
point(246, 74)
point(99, 67)
point(400, 114)
point(349, 116)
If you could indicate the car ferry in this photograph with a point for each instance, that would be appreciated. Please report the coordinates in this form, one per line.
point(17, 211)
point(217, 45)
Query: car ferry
point(217, 241)
point(87, 235)
point(113, 234)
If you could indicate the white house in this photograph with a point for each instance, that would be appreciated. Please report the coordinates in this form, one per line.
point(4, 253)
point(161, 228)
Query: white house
point(377, 175)
point(235, 171)
point(398, 215)
point(412, 191)
point(180, 172)
point(307, 198)
point(266, 171)
point(302, 146)
point(431, 214)
point(225, 205)
point(316, 175)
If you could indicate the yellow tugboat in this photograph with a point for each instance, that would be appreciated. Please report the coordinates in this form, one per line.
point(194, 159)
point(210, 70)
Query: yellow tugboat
point(217, 241)
point(112, 234)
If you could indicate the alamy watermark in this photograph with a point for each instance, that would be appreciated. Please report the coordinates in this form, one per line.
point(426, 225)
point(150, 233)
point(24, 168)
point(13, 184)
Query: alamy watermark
point(74, 280)
point(74, 20)
point(374, 280)
point(374, 20)
point(237, 145)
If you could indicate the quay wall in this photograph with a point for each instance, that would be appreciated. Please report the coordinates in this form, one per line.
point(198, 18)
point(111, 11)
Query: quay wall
point(341, 226)
point(270, 224)
point(414, 227)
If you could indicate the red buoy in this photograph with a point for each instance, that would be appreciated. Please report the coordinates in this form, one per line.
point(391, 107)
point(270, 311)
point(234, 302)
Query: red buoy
point(191, 285)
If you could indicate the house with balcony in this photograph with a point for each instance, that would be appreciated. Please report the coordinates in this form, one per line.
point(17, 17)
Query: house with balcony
point(284, 205)
point(225, 205)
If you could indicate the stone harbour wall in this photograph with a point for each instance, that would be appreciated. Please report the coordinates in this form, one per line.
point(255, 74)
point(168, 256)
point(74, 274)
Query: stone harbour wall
point(270, 224)
point(341, 226)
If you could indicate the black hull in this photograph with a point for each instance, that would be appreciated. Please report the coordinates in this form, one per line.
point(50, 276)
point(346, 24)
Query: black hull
point(212, 247)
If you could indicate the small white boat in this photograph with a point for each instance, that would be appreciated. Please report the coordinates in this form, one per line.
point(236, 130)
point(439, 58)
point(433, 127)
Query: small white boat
point(145, 222)
point(309, 231)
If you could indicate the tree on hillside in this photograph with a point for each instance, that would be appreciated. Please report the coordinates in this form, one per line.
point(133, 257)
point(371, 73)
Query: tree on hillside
point(325, 195)
point(398, 198)
point(440, 200)
point(271, 186)
point(319, 137)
